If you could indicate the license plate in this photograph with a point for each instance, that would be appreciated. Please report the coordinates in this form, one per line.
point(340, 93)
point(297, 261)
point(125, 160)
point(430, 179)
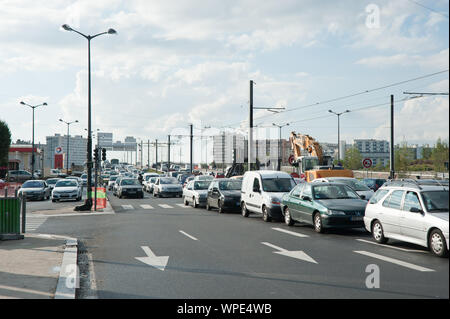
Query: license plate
point(357, 218)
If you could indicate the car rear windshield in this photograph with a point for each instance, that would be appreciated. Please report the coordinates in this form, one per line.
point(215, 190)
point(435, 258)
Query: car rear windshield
point(129, 182)
point(113, 178)
point(52, 181)
point(66, 183)
point(334, 192)
point(33, 184)
point(278, 185)
point(436, 201)
point(230, 185)
point(354, 184)
point(169, 181)
point(201, 185)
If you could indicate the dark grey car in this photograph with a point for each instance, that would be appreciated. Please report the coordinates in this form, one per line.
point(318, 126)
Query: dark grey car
point(35, 189)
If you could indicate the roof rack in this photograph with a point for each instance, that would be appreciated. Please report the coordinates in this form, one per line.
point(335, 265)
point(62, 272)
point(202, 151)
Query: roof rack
point(414, 183)
point(403, 182)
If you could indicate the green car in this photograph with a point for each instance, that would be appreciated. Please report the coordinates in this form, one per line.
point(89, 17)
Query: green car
point(324, 205)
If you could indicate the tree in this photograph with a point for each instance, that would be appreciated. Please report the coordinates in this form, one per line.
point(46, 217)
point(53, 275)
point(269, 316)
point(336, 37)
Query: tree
point(353, 158)
point(439, 155)
point(5, 142)
point(402, 158)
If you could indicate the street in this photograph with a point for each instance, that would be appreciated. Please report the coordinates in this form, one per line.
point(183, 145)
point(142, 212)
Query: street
point(213, 255)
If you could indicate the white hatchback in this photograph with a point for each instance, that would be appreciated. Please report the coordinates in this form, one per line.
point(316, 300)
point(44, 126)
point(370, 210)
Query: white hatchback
point(410, 212)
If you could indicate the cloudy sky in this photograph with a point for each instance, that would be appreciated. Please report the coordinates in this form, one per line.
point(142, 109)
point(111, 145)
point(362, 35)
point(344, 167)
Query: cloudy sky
point(173, 63)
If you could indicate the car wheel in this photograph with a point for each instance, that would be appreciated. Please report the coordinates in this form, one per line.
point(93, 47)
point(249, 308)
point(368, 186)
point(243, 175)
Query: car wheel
point(266, 216)
point(244, 210)
point(378, 233)
point(437, 243)
point(220, 207)
point(287, 217)
point(318, 227)
point(194, 202)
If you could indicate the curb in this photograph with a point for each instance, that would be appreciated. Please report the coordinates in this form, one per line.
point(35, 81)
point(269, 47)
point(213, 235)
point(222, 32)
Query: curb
point(68, 280)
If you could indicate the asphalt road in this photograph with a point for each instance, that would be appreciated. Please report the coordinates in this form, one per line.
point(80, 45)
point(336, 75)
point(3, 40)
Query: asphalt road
point(213, 255)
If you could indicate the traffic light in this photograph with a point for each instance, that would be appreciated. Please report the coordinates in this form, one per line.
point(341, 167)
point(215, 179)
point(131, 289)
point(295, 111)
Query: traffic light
point(95, 154)
point(103, 154)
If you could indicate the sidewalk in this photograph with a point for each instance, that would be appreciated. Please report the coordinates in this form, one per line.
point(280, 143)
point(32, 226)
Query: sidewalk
point(30, 268)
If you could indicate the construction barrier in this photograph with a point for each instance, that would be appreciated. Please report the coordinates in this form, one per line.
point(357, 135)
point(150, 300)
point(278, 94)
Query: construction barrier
point(9, 189)
point(101, 197)
point(10, 209)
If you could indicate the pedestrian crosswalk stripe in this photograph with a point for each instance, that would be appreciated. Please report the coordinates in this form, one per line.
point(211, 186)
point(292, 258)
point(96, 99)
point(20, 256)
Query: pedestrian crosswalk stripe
point(182, 206)
point(164, 206)
point(127, 206)
point(33, 222)
point(146, 206)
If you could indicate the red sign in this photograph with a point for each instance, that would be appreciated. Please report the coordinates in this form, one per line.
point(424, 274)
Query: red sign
point(367, 162)
point(295, 175)
point(291, 160)
point(59, 161)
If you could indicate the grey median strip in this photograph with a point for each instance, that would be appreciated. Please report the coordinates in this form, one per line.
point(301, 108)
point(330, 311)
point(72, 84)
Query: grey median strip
point(68, 275)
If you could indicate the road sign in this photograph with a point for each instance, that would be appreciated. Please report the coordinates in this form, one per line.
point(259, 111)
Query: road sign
point(367, 162)
point(58, 150)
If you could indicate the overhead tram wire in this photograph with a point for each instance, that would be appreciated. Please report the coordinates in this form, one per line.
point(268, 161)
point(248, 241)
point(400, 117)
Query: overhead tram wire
point(345, 96)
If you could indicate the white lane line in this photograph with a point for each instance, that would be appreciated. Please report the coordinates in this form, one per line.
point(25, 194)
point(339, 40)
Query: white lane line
point(164, 206)
point(393, 247)
point(187, 235)
point(127, 206)
point(183, 206)
point(394, 261)
point(145, 206)
point(289, 232)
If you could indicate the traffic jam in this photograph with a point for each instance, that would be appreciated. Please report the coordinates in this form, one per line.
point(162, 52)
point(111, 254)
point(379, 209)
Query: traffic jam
point(381, 207)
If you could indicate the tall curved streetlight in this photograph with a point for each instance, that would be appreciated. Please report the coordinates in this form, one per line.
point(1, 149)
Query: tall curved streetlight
point(338, 116)
point(68, 138)
point(32, 146)
point(89, 145)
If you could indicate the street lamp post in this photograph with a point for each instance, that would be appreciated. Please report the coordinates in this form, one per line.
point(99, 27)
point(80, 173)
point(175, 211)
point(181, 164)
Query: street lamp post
point(338, 116)
point(32, 146)
point(279, 143)
point(67, 160)
point(89, 145)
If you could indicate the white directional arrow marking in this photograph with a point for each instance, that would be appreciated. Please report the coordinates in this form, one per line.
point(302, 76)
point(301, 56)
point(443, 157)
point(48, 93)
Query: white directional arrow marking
point(298, 254)
point(153, 260)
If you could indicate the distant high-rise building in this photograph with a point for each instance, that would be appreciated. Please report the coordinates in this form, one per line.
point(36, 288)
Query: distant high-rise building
point(105, 140)
point(376, 150)
point(77, 149)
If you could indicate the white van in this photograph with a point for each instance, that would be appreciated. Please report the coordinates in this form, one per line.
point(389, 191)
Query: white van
point(262, 192)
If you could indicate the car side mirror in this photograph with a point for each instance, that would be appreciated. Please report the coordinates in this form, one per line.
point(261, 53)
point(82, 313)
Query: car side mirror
point(307, 198)
point(415, 210)
point(362, 196)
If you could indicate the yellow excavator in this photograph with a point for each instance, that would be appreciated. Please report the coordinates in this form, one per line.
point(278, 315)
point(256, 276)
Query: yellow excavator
point(312, 164)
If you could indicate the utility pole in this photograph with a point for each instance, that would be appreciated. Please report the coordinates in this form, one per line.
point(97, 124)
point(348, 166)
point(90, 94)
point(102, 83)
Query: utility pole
point(156, 148)
point(250, 120)
point(392, 159)
point(168, 155)
point(142, 155)
point(191, 142)
point(250, 131)
point(148, 155)
point(223, 153)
